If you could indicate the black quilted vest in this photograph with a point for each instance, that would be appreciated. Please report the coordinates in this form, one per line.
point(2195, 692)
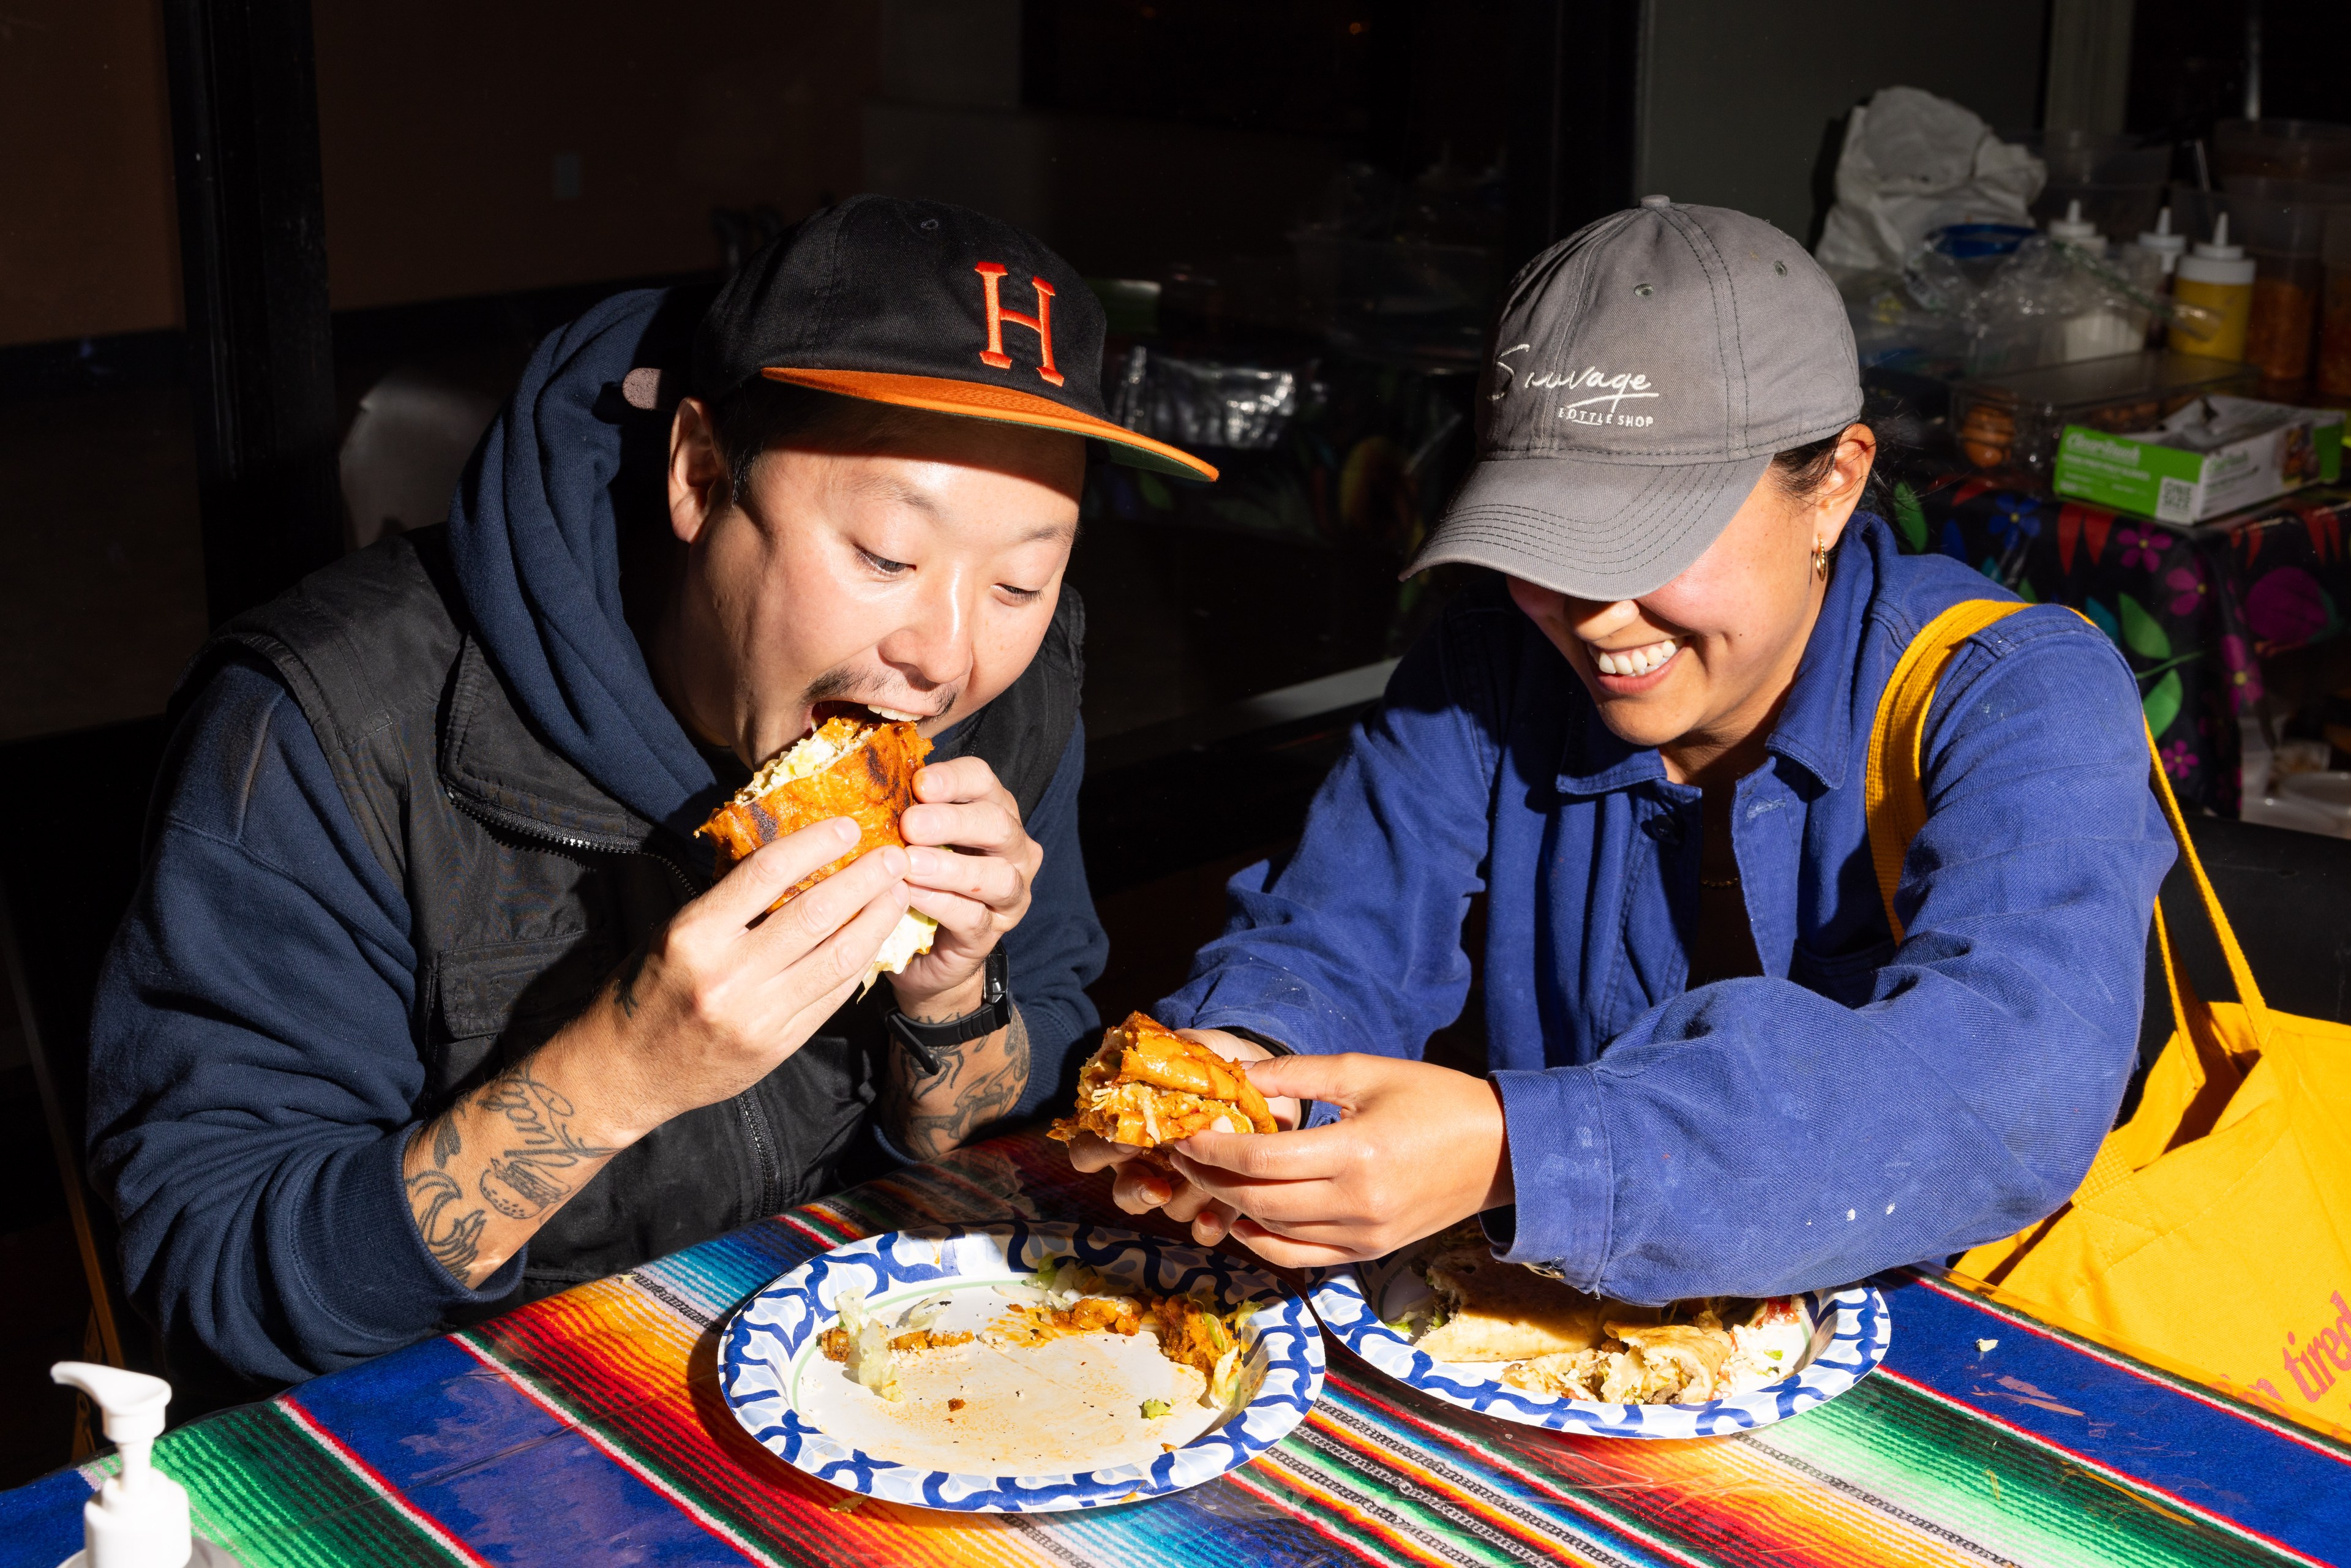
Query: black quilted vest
point(527, 884)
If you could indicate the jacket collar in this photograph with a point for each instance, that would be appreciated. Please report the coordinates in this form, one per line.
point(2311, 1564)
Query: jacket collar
point(1816, 724)
point(1598, 761)
point(1824, 705)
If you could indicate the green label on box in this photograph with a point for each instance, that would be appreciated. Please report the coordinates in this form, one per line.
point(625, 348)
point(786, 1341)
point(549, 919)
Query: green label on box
point(2128, 476)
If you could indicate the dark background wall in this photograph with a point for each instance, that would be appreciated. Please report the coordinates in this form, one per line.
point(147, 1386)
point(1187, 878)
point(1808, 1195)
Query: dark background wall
point(2188, 64)
point(86, 230)
point(471, 150)
point(441, 126)
point(1742, 97)
point(475, 149)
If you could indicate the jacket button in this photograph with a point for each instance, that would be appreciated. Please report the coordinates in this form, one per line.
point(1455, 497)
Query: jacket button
point(1663, 828)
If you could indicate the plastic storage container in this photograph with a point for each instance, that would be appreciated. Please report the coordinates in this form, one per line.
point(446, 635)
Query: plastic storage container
point(2335, 329)
point(2014, 421)
point(2118, 181)
point(2282, 223)
point(2281, 148)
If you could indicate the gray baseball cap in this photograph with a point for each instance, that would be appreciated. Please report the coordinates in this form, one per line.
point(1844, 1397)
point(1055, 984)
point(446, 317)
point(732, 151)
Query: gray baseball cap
point(1645, 370)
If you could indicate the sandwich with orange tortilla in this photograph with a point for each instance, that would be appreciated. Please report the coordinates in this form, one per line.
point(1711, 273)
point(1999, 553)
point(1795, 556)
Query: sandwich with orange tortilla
point(852, 764)
point(1148, 1085)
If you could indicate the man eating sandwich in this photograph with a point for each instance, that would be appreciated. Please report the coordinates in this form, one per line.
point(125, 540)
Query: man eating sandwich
point(433, 1001)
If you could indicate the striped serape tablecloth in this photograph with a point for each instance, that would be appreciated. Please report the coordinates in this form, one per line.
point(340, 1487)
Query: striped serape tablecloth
point(588, 1429)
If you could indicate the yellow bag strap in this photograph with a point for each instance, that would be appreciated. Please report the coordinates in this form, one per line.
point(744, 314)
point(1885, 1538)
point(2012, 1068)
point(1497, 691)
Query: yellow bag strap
point(1895, 798)
point(1892, 793)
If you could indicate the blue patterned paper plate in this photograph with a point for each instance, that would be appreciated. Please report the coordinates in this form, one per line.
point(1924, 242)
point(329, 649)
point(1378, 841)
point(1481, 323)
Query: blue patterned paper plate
point(772, 1338)
point(1848, 1341)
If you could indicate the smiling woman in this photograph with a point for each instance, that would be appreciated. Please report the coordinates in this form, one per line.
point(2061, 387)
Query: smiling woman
point(1699, 668)
point(1715, 1071)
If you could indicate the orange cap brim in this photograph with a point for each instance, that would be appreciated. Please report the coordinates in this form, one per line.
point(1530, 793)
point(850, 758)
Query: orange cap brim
point(974, 399)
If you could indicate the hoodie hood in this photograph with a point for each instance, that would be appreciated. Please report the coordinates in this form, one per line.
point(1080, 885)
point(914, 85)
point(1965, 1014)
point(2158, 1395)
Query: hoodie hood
point(534, 532)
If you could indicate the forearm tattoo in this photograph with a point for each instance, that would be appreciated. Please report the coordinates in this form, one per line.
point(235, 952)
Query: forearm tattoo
point(535, 1165)
point(527, 1178)
point(624, 984)
point(977, 1082)
point(454, 1239)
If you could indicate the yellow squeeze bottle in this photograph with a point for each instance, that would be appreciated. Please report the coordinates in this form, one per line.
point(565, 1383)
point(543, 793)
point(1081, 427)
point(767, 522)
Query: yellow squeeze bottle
point(2218, 276)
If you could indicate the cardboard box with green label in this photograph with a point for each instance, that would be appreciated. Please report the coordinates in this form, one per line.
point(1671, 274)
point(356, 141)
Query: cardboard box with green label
point(2215, 456)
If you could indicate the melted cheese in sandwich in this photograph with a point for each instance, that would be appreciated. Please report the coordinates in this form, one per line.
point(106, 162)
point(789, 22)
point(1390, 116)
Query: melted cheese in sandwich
point(833, 739)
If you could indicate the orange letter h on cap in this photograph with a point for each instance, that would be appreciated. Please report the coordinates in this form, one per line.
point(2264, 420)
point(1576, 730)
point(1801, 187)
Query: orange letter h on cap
point(991, 274)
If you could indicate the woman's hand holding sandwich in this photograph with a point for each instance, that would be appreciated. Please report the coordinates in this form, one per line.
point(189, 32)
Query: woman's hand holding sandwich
point(1139, 1184)
point(1418, 1148)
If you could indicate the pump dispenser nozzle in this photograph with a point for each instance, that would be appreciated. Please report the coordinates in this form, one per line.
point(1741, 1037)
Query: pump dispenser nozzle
point(139, 1518)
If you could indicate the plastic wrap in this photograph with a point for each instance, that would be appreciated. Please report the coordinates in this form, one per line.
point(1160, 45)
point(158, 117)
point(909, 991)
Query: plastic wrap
point(1987, 299)
point(2047, 302)
point(2020, 319)
point(1206, 402)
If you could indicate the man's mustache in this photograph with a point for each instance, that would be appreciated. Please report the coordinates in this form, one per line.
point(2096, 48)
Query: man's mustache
point(846, 686)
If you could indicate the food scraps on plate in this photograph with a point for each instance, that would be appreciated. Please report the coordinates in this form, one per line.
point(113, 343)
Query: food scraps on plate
point(1067, 1299)
point(1554, 1339)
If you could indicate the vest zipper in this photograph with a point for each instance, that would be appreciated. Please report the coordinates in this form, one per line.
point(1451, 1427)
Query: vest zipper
point(523, 826)
point(754, 1123)
point(768, 1200)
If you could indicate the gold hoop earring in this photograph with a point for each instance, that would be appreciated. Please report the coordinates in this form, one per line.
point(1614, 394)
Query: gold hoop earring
point(1820, 560)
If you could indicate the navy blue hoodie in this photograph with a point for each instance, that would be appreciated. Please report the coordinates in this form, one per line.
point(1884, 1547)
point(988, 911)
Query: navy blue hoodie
point(254, 1071)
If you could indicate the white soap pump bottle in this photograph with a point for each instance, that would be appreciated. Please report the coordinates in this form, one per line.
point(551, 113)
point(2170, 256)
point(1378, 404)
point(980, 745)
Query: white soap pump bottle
point(137, 1519)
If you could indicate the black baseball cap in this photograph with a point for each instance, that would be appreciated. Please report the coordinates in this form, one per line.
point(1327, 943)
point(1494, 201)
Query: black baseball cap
point(927, 306)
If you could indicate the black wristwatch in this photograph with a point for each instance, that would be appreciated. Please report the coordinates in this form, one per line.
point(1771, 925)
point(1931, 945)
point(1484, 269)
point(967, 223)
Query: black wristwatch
point(924, 1040)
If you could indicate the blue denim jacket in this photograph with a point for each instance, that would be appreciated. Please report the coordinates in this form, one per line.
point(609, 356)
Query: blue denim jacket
point(1858, 1105)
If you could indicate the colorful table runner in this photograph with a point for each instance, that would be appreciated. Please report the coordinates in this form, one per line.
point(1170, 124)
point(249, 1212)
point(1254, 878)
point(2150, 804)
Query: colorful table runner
point(588, 1428)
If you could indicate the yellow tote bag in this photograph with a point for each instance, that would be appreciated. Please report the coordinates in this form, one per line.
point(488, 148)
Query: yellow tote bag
point(2214, 1227)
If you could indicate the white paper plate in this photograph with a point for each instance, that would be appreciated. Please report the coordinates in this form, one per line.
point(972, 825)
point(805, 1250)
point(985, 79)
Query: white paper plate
point(1852, 1331)
point(778, 1382)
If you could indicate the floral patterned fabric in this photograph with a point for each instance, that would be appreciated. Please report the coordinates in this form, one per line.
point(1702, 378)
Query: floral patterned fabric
point(2194, 611)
